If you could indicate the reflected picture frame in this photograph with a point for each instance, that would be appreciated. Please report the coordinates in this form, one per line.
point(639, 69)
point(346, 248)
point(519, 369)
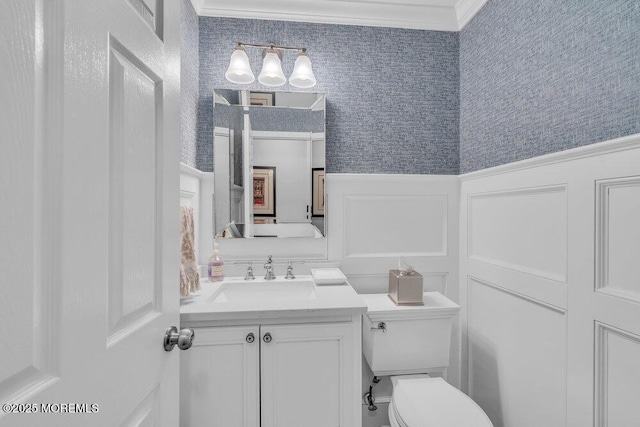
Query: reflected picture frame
point(264, 220)
point(317, 192)
point(262, 99)
point(264, 191)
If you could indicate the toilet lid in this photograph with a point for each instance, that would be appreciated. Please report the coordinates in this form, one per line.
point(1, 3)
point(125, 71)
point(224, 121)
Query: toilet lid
point(432, 402)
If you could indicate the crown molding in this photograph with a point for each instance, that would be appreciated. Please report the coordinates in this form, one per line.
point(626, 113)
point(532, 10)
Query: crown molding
point(437, 15)
point(466, 10)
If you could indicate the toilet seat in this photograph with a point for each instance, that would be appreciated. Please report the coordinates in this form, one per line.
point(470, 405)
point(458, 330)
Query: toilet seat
point(432, 402)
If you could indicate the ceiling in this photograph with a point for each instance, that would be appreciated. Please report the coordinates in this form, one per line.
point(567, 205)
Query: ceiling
point(440, 15)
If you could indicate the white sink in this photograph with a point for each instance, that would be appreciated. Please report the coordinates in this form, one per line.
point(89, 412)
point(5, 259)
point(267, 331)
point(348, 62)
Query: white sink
point(276, 290)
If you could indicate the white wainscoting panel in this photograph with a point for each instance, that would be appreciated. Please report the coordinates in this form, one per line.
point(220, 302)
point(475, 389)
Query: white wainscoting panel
point(508, 228)
point(617, 377)
point(373, 219)
point(196, 191)
point(551, 315)
point(514, 340)
point(413, 225)
point(618, 237)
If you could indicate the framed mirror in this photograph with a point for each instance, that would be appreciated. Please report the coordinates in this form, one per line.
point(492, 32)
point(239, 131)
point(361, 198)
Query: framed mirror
point(269, 162)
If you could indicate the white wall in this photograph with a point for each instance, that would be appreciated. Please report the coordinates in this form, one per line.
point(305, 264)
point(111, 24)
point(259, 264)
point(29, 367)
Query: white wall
point(549, 267)
point(291, 156)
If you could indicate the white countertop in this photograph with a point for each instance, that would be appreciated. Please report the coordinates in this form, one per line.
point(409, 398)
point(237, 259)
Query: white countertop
point(327, 301)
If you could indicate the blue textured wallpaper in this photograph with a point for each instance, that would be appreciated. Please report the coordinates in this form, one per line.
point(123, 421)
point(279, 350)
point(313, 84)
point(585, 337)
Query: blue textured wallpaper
point(392, 94)
point(189, 69)
point(543, 76)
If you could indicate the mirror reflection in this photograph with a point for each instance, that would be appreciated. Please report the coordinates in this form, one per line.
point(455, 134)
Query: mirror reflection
point(269, 162)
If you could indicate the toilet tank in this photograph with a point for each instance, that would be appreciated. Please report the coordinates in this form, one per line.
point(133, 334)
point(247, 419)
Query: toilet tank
point(417, 338)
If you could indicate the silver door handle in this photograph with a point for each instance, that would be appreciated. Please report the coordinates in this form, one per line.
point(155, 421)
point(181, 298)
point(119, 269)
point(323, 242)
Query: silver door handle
point(250, 338)
point(183, 339)
point(267, 337)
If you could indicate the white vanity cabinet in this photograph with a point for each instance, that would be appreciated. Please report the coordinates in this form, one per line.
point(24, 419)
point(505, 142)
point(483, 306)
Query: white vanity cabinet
point(273, 375)
point(220, 378)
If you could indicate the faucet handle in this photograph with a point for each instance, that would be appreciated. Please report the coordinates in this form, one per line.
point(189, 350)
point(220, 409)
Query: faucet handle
point(269, 275)
point(249, 275)
point(290, 274)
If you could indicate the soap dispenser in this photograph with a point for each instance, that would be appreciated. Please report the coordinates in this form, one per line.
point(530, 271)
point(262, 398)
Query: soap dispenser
point(216, 265)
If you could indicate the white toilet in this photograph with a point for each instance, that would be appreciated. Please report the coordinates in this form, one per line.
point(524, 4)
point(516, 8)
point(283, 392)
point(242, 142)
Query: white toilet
point(406, 342)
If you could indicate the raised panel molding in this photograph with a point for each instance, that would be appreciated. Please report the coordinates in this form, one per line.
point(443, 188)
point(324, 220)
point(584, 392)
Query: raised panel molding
point(30, 177)
point(617, 236)
point(511, 335)
point(617, 377)
point(596, 206)
point(411, 225)
point(513, 293)
point(520, 229)
point(135, 100)
point(146, 413)
point(150, 12)
point(373, 219)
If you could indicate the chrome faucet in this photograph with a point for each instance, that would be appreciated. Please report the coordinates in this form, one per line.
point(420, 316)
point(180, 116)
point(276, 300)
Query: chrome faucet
point(249, 275)
point(290, 274)
point(269, 267)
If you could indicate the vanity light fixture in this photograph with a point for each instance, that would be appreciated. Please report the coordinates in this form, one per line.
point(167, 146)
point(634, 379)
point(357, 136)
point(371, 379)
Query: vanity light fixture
point(239, 70)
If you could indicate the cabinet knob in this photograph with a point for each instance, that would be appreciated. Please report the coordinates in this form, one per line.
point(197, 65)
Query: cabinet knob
point(267, 337)
point(251, 338)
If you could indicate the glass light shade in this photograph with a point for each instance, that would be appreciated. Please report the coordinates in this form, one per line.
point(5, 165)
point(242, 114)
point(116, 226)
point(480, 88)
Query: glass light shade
point(271, 74)
point(239, 70)
point(302, 75)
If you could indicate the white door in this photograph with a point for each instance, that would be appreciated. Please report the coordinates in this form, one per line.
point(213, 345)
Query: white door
point(89, 219)
point(220, 378)
point(247, 161)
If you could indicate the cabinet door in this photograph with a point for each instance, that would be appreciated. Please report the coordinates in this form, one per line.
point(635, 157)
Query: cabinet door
point(220, 378)
point(307, 375)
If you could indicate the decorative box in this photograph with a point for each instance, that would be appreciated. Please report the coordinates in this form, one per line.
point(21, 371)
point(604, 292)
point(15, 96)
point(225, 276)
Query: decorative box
point(405, 288)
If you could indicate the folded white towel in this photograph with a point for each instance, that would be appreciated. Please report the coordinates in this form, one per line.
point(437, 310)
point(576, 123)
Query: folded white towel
point(328, 276)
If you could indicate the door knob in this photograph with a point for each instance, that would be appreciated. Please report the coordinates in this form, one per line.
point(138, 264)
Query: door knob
point(184, 338)
point(267, 337)
point(250, 338)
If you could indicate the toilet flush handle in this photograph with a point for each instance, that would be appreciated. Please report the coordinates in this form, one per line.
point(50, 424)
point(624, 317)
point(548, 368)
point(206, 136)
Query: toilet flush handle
point(381, 327)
